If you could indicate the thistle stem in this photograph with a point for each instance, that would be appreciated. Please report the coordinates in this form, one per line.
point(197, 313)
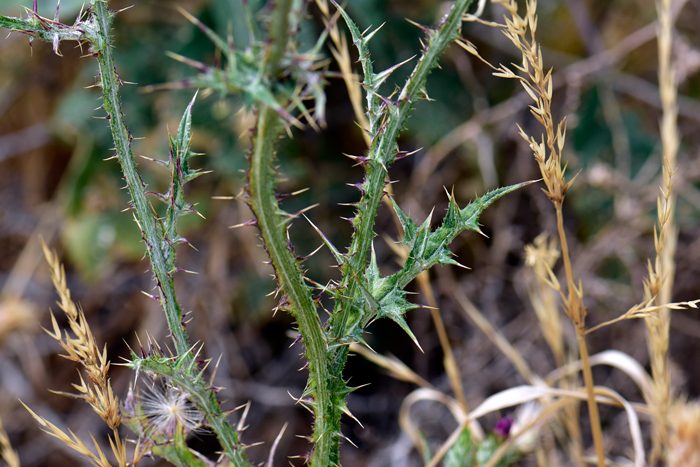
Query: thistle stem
point(155, 245)
point(274, 232)
point(382, 152)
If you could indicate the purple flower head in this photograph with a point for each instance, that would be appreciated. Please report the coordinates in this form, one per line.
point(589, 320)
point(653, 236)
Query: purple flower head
point(503, 427)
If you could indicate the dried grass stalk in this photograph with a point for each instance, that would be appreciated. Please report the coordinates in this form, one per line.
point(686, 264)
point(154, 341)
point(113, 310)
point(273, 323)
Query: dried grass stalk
point(541, 256)
point(82, 348)
point(341, 53)
point(659, 284)
point(520, 30)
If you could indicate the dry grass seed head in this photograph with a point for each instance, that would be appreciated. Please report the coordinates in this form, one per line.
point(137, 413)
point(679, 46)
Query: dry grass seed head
point(83, 349)
point(684, 442)
point(541, 256)
point(73, 442)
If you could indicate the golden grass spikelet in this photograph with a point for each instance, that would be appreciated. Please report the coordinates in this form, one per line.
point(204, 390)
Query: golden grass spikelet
point(73, 442)
point(541, 256)
point(83, 349)
point(6, 452)
point(659, 284)
point(684, 441)
point(537, 82)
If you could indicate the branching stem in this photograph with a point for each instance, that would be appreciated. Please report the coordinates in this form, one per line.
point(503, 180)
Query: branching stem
point(155, 244)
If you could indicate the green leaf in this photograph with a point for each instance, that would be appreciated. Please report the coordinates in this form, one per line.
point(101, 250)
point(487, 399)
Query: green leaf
point(470, 214)
point(488, 447)
point(182, 145)
point(462, 452)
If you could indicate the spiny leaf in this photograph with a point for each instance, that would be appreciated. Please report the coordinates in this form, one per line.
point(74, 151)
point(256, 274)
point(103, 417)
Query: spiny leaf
point(379, 78)
point(214, 37)
point(409, 227)
point(470, 214)
point(371, 302)
point(183, 140)
point(462, 452)
point(423, 237)
point(401, 321)
point(360, 41)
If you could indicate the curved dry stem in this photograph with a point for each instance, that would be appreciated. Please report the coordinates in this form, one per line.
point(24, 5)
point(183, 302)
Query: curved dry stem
point(521, 394)
point(614, 358)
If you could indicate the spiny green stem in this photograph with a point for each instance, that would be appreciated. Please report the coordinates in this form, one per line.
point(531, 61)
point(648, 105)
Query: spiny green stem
point(279, 35)
point(382, 152)
point(273, 228)
point(97, 31)
point(261, 184)
point(183, 377)
point(349, 318)
point(155, 243)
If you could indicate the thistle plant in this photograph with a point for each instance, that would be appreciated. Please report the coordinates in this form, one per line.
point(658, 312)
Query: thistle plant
point(280, 76)
point(277, 81)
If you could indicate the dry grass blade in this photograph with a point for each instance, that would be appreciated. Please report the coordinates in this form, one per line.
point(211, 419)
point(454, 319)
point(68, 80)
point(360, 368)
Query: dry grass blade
point(6, 452)
point(426, 394)
point(448, 360)
point(633, 419)
point(614, 358)
point(494, 335)
point(341, 53)
point(396, 367)
point(271, 457)
point(522, 394)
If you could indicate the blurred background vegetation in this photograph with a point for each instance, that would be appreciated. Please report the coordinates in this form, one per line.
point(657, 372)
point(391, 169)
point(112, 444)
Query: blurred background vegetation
point(54, 184)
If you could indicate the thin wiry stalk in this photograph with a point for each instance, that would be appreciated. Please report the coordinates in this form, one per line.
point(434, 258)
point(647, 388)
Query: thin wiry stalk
point(661, 277)
point(541, 257)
